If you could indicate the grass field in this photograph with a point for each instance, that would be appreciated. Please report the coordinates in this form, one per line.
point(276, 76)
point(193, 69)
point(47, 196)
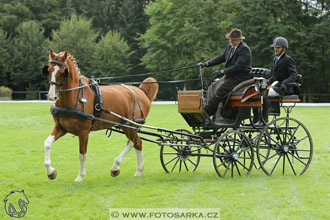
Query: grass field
point(25, 126)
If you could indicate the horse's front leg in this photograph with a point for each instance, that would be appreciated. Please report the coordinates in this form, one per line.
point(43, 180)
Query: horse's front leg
point(83, 141)
point(55, 134)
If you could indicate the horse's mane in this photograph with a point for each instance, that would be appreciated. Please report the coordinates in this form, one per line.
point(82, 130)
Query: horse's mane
point(73, 60)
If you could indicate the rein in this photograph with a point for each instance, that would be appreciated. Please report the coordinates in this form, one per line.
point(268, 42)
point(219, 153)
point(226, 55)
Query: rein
point(98, 103)
point(146, 74)
point(74, 88)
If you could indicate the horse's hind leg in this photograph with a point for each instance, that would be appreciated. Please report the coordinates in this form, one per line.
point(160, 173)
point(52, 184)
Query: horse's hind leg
point(115, 170)
point(83, 141)
point(134, 141)
point(55, 134)
point(139, 155)
point(140, 166)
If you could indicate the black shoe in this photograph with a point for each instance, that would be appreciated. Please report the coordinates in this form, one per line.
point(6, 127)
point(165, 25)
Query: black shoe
point(208, 121)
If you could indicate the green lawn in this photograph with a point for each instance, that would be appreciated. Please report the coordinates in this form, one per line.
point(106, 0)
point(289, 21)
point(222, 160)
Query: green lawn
point(25, 126)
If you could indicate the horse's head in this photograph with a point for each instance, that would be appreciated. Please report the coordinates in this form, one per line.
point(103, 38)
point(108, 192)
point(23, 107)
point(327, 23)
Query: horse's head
point(57, 71)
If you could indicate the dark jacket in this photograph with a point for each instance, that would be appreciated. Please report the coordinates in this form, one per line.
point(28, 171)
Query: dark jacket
point(238, 66)
point(284, 72)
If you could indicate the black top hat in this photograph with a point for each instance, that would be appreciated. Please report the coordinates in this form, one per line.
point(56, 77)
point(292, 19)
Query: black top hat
point(235, 34)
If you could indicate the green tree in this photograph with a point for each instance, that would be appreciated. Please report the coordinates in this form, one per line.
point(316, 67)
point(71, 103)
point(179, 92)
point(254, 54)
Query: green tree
point(29, 56)
point(12, 13)
point(48, 13)
point(111, 56)
point(303, 23)
point(5, 58)
point(181, 33)
point(77, 37)
point(133, 21)
point(124, 16)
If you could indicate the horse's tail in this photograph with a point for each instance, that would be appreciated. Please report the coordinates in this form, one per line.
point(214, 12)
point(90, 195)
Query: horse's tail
point(150, 87)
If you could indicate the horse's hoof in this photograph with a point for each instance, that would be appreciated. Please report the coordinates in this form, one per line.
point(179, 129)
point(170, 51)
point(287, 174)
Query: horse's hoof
point(137, 174)
point(52, 175)
point(115, 173)
point(78, 179)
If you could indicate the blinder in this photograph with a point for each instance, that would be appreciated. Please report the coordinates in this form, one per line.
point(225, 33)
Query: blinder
point(45, 70)
point(66, 73)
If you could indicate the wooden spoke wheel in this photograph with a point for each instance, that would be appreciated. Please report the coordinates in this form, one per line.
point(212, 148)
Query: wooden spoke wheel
point(176, 158)
point(284, 144)
point(233, 154)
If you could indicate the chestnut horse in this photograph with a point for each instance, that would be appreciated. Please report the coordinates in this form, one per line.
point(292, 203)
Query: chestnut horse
point(72, 91)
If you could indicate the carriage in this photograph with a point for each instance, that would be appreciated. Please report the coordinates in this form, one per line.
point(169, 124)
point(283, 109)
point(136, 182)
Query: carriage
point(234, 142)
point(232, 139)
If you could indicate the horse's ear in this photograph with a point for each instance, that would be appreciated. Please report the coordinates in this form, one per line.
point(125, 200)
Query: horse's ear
point(65, 55)
point(51, 54)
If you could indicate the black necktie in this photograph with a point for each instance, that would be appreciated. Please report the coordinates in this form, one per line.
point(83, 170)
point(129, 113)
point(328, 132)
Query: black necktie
point(276, 60)
point(232, 49)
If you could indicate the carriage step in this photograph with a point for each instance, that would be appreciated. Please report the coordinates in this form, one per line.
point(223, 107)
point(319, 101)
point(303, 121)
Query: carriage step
point(224, 121)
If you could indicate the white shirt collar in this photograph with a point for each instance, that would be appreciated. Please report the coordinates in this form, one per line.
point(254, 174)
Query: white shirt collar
point(279, 57)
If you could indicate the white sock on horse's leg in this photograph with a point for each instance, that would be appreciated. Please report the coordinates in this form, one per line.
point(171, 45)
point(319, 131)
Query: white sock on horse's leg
point(121, 156)
point(140, 166)
point(47, 163)
point(82, 171)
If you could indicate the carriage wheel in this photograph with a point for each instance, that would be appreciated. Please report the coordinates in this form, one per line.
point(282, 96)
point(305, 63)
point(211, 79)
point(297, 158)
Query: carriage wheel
point(233, 153)
point(285, 143)
point(179, 158)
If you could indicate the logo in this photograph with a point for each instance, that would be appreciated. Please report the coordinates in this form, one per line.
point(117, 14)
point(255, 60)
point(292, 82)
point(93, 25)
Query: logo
point(16, 204)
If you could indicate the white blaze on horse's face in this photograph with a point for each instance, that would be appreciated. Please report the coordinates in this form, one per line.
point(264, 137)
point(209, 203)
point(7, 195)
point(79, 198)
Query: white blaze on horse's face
point(51, 93)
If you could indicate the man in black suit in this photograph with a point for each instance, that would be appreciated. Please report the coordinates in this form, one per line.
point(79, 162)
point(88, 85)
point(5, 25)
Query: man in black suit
point(284, 69)
point(237, 56)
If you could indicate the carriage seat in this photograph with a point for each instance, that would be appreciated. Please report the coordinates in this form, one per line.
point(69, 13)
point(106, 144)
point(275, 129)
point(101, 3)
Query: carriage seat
point(239, 89)
point(293, 98)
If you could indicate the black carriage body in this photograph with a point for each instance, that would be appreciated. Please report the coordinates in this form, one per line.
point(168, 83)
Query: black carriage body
point(230, 112)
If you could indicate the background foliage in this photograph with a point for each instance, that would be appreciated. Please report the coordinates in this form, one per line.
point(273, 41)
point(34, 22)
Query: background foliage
point(111, 56)
point(160, 35)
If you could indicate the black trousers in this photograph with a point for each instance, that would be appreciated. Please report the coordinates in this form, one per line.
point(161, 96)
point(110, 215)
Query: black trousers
point(220, 94)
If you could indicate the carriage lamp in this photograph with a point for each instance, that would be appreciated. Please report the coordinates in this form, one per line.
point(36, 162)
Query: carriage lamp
point(263, 85)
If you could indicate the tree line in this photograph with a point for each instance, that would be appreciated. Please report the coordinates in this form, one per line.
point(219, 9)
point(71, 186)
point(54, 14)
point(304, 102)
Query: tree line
point(130, 37)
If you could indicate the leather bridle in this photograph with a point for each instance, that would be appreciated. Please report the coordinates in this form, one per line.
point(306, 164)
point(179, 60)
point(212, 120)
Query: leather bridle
point(66, 72)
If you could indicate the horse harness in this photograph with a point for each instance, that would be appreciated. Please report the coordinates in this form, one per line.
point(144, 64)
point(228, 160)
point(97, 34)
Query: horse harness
point(57, 111)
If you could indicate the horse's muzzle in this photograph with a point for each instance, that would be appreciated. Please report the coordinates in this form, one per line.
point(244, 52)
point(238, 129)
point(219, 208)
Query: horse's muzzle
point(51, 98)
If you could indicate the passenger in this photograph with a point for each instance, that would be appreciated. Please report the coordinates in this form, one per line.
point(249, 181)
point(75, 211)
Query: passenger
point(284, 71)
point(237, 56)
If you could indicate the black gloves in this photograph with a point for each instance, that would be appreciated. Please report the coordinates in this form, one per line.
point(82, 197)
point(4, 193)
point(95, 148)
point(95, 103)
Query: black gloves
point(218, 74)
point(201, 64)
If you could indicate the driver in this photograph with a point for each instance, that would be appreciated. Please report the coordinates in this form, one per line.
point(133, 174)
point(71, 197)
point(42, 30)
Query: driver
point(237, 56)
